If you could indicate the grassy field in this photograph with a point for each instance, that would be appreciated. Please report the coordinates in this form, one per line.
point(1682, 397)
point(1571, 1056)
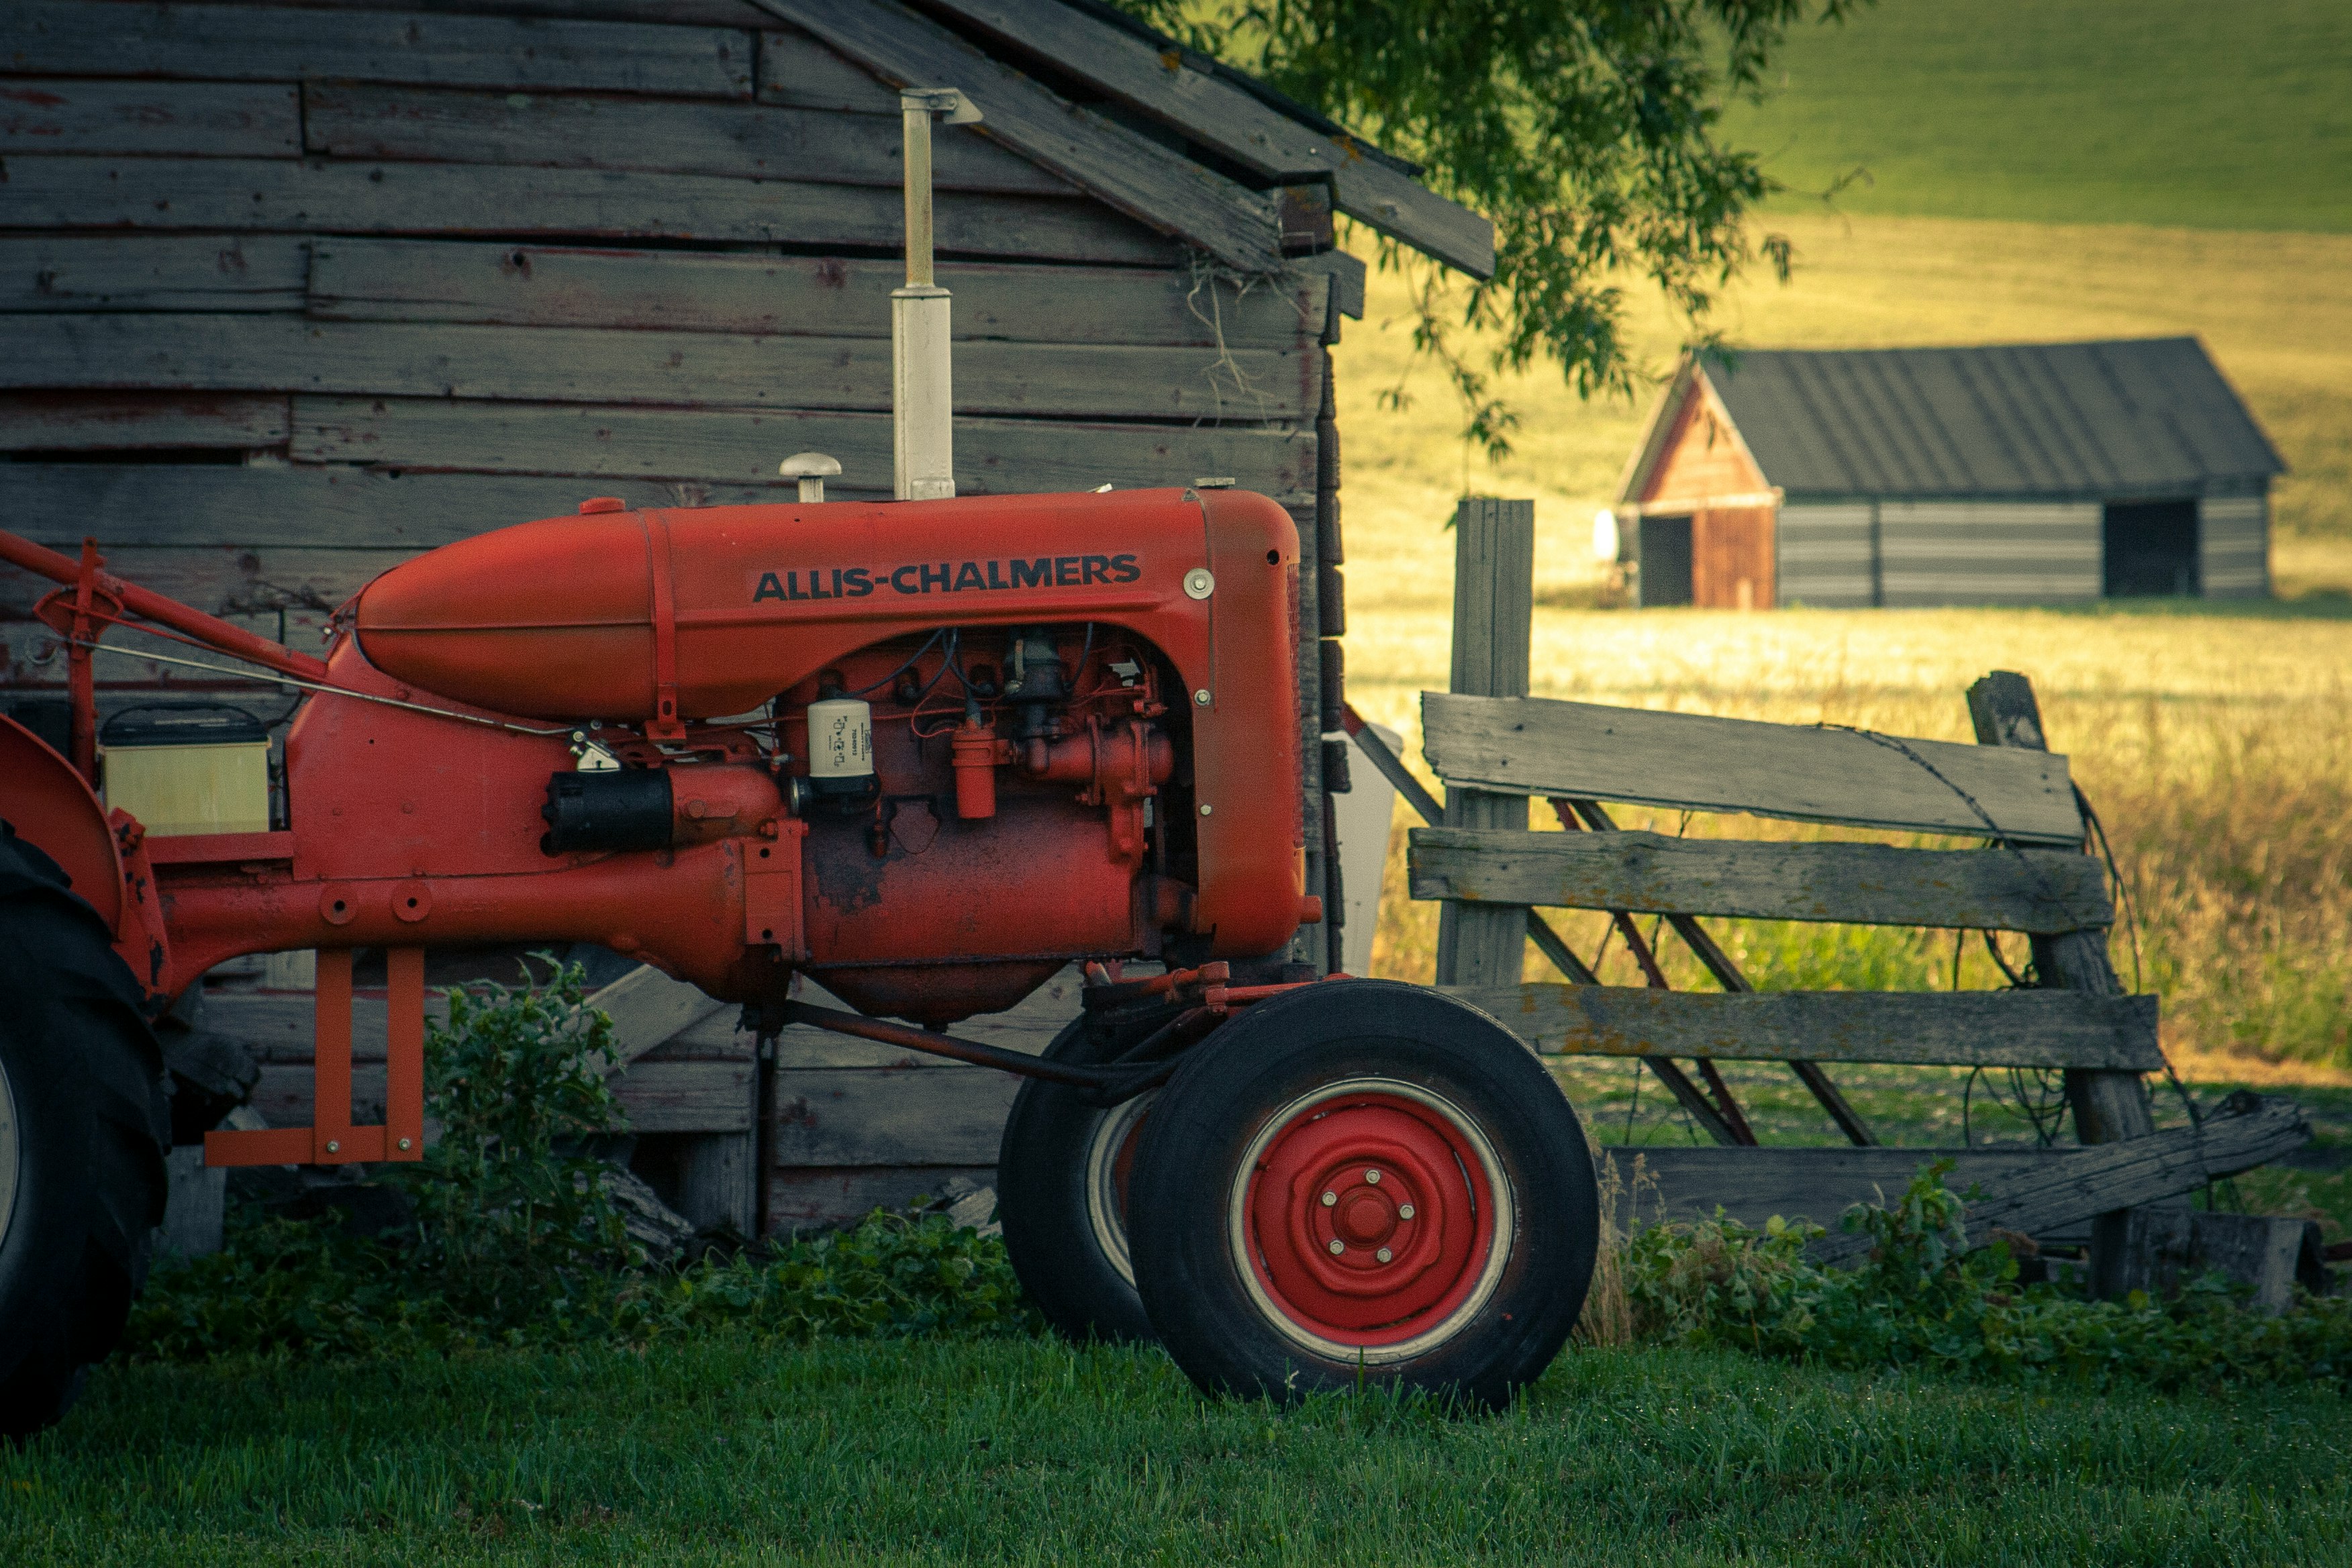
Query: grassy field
point(2164, 111)
point(2214, 739)
point(725, 1452)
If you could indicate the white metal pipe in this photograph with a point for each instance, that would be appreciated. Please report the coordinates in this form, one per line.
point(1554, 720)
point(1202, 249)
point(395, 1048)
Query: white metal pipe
point(922, 382)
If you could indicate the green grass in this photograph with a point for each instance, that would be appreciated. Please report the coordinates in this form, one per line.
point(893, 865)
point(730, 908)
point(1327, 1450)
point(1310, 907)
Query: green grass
point(724, 1452)
point(2172, 112)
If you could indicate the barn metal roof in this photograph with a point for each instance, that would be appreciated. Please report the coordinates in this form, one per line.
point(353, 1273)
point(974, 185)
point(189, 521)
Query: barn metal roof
point(2042, 419)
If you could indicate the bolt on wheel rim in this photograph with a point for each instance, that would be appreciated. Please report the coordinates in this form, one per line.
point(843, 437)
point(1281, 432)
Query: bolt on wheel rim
point(1371, 1220)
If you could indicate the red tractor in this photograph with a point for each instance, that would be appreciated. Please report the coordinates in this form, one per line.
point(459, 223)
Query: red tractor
point(929, 752)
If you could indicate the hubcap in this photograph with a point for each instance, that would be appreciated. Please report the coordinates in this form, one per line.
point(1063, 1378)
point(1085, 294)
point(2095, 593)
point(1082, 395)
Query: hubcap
point(1372, 1220)
point(1110, 1160)
point(8, 1154)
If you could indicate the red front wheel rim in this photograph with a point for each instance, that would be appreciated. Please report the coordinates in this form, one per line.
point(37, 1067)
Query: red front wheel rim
point(1372, 1217)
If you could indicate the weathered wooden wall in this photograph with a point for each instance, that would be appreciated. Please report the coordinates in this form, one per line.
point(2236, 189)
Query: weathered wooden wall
point(289, 293)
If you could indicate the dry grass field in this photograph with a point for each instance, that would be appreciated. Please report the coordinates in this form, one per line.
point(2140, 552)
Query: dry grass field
point(2216, 744)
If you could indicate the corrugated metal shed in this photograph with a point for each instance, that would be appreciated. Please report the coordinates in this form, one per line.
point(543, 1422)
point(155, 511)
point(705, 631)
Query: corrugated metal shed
point(2150, 416)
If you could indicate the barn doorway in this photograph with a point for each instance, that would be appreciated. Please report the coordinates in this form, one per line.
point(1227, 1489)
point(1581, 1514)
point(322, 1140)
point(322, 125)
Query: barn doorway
point(1665, 561)
point(2151, 550)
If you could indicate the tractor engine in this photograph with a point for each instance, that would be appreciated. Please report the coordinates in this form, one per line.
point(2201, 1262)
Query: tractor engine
point(928, 752)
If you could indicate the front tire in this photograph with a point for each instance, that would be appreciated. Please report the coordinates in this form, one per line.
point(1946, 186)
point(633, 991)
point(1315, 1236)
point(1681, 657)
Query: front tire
point(84, 1127)
point(1061, 1179)
point(1363, 1181)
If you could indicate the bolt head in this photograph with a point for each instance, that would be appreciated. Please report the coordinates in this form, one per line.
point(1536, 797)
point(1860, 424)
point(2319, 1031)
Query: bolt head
point(1199, 582)
point(1372, 1178)
point(334, 1147)
point(1338, 1247)
point(1206, 808)
point(1383, 1255)
point(1201, 697)
point(1329, 1199)
point(1404, 1211)
point(404, 1143)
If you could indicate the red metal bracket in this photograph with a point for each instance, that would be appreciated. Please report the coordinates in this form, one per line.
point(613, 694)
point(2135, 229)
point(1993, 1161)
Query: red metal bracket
point(666, 724)
point(332, 1139)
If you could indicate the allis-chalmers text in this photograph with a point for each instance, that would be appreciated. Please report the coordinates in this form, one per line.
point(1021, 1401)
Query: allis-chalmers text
point(947, 577)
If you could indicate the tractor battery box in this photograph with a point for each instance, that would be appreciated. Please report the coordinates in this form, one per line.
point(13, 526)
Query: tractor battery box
point(191, 768)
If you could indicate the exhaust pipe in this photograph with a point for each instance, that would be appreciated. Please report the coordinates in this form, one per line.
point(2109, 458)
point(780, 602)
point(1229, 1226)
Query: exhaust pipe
point(921, 378)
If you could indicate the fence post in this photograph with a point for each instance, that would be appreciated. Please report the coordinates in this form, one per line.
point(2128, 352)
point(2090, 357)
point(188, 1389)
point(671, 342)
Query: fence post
point(1494, 618)
point(2108, 1107)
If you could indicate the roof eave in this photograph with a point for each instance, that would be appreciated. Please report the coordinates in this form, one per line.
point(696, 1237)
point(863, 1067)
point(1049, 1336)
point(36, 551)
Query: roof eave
point(1239, 120)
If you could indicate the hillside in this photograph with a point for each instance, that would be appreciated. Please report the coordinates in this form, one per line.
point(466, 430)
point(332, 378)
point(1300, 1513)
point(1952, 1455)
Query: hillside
point(2170, 113)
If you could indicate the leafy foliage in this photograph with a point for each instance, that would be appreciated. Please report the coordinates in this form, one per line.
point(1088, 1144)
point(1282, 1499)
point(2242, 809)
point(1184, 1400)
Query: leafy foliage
point(1923, 1299)
point(515, 1239)
point(1587, 130)
point(506, 1201)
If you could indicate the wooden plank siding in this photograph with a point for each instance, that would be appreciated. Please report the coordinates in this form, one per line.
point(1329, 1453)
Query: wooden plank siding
point(2046, 891)
point(741, 447)
point(1540, 746)
point(552, 286)
point(1133, 174)
point(2233, 557)
point(731, 141)
point(1988, 552)
point(61, 193)
point(242, 272)
point(128, 421)
point(677, 370)
point(207, 119)
point(237, 43)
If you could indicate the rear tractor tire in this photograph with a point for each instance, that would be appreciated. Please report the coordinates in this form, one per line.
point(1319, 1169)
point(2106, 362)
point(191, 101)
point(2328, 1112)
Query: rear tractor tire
point(1062, 1178)
point(84, 1128)
point(1363, 1182)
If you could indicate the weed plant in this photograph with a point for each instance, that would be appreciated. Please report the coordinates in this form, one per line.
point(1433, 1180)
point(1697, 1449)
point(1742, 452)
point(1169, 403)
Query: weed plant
point(518, 1240)
point(1925, 1299)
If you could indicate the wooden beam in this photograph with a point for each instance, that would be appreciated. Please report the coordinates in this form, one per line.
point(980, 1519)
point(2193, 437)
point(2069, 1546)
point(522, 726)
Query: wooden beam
point(859, 1116)
point(1170, 88)
point(204, 120)
point(1681, 1183)
point(1968, 1028)
point(742, 447)
point(649, 1008)
point(239, 43)
point(582, 365)
point(795, 69)
point(1155, 186)
point(663, 136)
point(1538, 746)
point(2113, 1177)
point(152, 272)
point(560, 286)
point(1863, 884)
point(312, 195)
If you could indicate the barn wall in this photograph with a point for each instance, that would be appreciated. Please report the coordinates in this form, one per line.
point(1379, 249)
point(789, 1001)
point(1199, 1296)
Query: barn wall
point(291, 293)
point(1703, 455)
point(2234, 546)
point(1829, 555)
point(1988, 552)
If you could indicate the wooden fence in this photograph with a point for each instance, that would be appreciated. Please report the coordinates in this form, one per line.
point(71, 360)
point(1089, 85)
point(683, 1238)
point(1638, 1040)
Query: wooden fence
point(1496, 749)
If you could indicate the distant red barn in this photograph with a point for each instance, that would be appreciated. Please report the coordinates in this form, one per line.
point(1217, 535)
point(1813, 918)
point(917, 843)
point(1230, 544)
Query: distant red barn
point(2021, 474)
